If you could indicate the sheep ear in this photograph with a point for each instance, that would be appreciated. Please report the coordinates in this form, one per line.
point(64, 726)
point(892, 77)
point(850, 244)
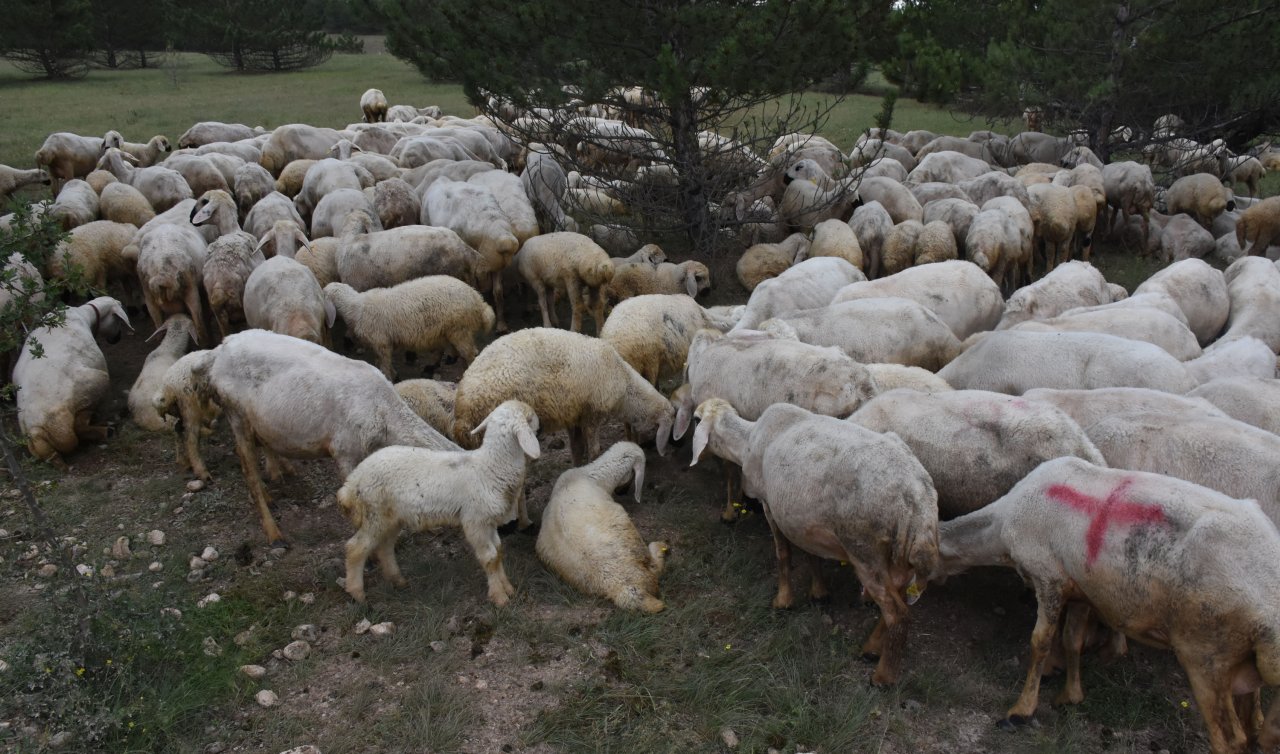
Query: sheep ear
point(701, 436)
point(302, 239)
point(263, 243)
point(481, 426)
point(330, 313)
point(528, 440)
point(691, 284)
point(683, 416)
point(159, 330)
point(663, 436)
point(637, 476)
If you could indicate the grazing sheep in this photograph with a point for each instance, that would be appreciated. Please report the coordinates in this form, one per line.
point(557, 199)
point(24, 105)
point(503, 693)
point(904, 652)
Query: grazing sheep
point(98, 251)
point(1235, 357)
point(269, 210)
point(1200, 292)
point(228, 263)
point(574, 382)
point(652, 333)
point(568, 263)
point(1053, 216)
point(871, 225)
point(170, 262)
point(183, 400)
point(868, 503)
point(209, 132)
point(177, 332)
point(252, 183)
point(1068, 286)
point(122, 203)
point(1175, 563)
point(162, 186)
point(296, 141)
point(289, 181)
point(300, 400)
point(12, 179)
point(1200, 195)
point(1253, 285)
point(509, 192)
point(282, 296)
point(1131, 191)
point(144, 155)
point(957, 291)
point(395, 203)
point(897, 200)
point(629, 280)
point(332, 212)
point(373, 103)
point(878, 331)
point(100, 179)
point(1243, 168)
point(899, 250)
point(808, 285)
point(421, 488)
point(66, 155)
point(896, 376)
point(422, 315)
point(947, 167)
point(834, 238)
point(958, 214)
point(432, 400)
point(1088, 407)
point(988, 186)
point(1259, 226)
point(1136, 323)
point(1015, 361)
point(1252, 400)
point(589, 541)
point(545, 183)
point(58, 392)
point(324, 178)
point(975, 445)
point(380, 259)
point(1000, 241)
point(472, 211)
point(805, 203)
point(768, 260)
point(77, 204)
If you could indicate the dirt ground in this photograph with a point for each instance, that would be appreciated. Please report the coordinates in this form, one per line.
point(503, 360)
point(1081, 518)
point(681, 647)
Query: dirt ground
point(554, 671)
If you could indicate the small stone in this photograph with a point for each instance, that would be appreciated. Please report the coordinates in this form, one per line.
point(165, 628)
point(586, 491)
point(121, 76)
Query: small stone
point(196, 575)
point(267, 698)
point(177, 511)
point(155, 567)
point(209, 599)
point(341, 581)
point(729, 737)
point(195, 485)
point(306, 632)
point(196, 563)
point(155, 537)
point(186, 497)
point(304, 749)
point(363, 626)
point(209, 554)
point(911, 705)
point(297, 650)
point(243, 638)
point(217, 747)
point(4, 533)
point(772, 750)
point(277, 552)
point(120, 550)
point(61, 739)
point(256, 672)
point(482, 684)
point(438, 646)
point(84, 570)
point(108, 572)
point(171, 612)
point(382, 629)
point(290, 596)
point(454, 626)
point(4, 666)
point(48, 570)
point(306, 598)
point(211, 647)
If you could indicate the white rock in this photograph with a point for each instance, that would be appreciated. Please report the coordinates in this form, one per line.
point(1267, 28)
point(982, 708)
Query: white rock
point(209, 554)
point(363, 626)
point(120, 550)
point(729, 737)
point(304, 749)
point(155, 567)
point(209, 599)
point(171, 612)
point(306, 598)
point(277, 552)
point(297, 650)
point(267, 698)
point(256, 672)
point(211, 647)
point(306, 632)
point(195, 485)
point(482, 684)
point(155, 537)
point(197, 563)
point(84, 570)
point(382, 629)
point(61, 739)
point(438, 646)
point(290, 596)
point(108, 572)
point(3, 666)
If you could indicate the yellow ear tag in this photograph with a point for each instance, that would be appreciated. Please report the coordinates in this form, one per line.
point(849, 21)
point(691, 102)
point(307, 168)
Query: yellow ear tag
point(914, 590)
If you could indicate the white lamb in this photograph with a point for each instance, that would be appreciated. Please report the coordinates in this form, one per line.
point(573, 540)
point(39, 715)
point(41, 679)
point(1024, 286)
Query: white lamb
point(177, 331)
point(589, 541)
point(421, 488)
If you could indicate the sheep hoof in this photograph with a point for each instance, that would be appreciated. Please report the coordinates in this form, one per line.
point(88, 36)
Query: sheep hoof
point(281, 542)
point(871, 657)
point(1013, 722)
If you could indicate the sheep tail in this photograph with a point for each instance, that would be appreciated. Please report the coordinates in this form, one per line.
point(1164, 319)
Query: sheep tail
point(350, 505)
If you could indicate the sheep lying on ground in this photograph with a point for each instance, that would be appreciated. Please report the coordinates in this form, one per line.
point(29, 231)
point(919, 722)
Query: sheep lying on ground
point(1005, 438)
point(568, 263)
point(589, 541)
point(58, 392)
point(300, 400)
point(424, 315)
point(177, 331)
point(574, 383)
point(420, 488)
point(769, 260)
point(1015, 361)
point(1175, 564)
point(652, 333)
point(869, 503)
point(432, 400)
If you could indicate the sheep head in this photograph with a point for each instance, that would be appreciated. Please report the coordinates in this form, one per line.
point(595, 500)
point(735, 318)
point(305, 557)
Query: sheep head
point(708, 414)
point(518, 418)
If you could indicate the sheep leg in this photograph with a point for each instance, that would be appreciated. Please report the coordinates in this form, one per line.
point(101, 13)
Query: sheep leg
point(382, 360)
point(361, 544)
point(246, 450)
point(87, 431)
point(1073, 632)
point(730, 512)
point(153, 307)
point(497, 301)
point(488, 549)
point(541, 290)
point(782, 549)
point(893, 618)
point(818, 591)
point(464, 345)
point(1212, 690)
point(277, 467)
point(1050, 597)
point(598, 313)
point(657, 557)
point(576, 306)
point(189, 443)
point(523, 522)
point(1249, 712)
point(386, 553)
point(578, 445)
point(192, 301)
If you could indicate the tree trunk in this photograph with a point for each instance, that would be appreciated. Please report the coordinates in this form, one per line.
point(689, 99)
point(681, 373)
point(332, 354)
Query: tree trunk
point(687, 158)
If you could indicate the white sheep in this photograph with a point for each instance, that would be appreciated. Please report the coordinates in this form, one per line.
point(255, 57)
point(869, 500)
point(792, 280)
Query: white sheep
point(1252, 400)
point(652, 333)
point(269, 210)
point(66, 155)
point(1000, 241)
point(368, 258)
point(1003, 439)
point(768, 260)
point(1053, 215)
point(336, 207)
point(508, 190)
point(208, 132)
point(1253, 285)
point(425, 314)
point(947, 167)
point(299, 400)
point(177, 332)
point(869, 503)
point(878, 331)
point(296, 141)
point(629, 280)
point(252, 183)
point(1136, 323)
point(568, 263)
point(373, 104)
point(958, 214)
point(144, 155)
point(1067, 286)
point(432, 400)
point(1200, 195)
point(1235, 357)
point(98, 251)
point(1088, 407)
point(183, 401)
point(808, 285)
point(589, 541)
point(122, 203)
point(896, 376)
point(574, 382)
point(1200, 292)
point(1156, 557)
point(325, 177)
point(959, 292)
point(283, 296)
point(76, 205)
point(170, 263)
point(1015, 361)
point(228, 263)
point(1131, 191)
point(421, 488)
point(1259, 226)
point(871, 225)
point(396, 204)
point(472, 211)
point(12, 179)
point(835, 238)
point(162, 186)
point(545, 182)
point(58, 392)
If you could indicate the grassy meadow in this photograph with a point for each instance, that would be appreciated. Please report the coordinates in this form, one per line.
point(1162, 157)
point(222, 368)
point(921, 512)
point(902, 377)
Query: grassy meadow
point(127, 659)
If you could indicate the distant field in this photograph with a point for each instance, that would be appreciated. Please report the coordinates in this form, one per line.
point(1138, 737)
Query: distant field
point(190, 88)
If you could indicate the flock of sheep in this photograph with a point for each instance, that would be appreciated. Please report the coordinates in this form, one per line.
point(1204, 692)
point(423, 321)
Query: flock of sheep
point(878, 392)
